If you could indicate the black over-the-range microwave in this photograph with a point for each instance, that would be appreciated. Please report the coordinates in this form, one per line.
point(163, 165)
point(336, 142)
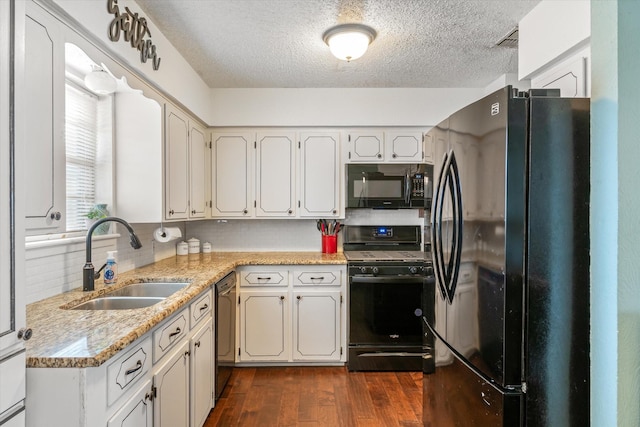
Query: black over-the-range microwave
point(389, 185)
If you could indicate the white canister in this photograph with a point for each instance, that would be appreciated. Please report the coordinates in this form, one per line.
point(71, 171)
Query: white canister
point(194, 245)
point(182, 248)
point(206, 248)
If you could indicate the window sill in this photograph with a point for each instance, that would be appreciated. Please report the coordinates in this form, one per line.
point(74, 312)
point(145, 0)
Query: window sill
point(44, 246)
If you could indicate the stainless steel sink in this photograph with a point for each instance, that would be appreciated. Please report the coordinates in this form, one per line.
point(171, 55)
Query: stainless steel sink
point(135, 295)
point(149, 289)
point(118, 303)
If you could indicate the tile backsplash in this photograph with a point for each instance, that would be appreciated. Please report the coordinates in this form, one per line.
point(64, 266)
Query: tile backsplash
point(53, 268)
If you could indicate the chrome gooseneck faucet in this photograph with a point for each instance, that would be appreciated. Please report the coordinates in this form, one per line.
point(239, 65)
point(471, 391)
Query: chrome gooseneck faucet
point(88, 275)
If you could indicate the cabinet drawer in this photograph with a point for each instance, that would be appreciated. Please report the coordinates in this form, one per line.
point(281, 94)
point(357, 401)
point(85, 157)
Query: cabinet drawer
point(264, 278)
point(124, 371)
point(201, 308)
point(166, 336)
point(317, 276)
point(12, 373)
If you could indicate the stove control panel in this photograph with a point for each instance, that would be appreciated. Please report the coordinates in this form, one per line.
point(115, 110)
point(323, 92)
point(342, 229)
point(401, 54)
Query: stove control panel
point(383, 232)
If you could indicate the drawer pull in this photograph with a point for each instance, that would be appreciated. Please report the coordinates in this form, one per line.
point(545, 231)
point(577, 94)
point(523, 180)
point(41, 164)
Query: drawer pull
point(204, 307)
point(132, 370)
point(197, 344)
point(173, 334)
point(264, 278)
point(317, 278)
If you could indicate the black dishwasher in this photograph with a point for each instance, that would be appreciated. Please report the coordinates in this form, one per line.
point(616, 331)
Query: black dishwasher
point(225, 331)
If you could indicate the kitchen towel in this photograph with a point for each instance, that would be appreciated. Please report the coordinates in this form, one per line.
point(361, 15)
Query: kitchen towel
point(166, 234)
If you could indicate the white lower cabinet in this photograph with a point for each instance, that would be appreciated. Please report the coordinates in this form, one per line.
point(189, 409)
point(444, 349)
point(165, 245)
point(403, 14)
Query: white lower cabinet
point(137, 411)
point(316, 325)
point(202, 373)
point(264, 325)
point(163, 379)
point(171, 382)
point(298, 319)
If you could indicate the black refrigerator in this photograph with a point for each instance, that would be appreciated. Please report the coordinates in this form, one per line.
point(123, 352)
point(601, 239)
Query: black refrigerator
point(507, 320)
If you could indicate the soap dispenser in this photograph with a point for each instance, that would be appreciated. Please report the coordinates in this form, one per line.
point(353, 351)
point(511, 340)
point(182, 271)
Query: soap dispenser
point(111, 269)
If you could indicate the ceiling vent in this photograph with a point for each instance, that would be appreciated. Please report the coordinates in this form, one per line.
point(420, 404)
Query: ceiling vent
point(510, 40)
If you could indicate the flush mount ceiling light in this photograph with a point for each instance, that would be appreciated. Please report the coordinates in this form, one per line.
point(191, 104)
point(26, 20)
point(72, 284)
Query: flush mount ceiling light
point(99, 81)
point(349, 41)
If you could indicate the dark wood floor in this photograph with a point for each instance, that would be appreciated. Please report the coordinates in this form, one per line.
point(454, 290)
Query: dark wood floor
point(319, 396)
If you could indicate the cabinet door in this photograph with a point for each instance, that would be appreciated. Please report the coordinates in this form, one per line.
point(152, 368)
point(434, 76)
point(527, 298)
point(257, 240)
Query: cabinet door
point(316, 325)
point(276, 171)
point(264, 326)
point(202, 379)
point(198, 156)
point(232, 174)
point(366, 147)
point(171, 404)
point(404, 146)
point(320, 175)
point(137, 411)
point(177, 161)
point(12, 305)
point(428, 148)
point(44, 123)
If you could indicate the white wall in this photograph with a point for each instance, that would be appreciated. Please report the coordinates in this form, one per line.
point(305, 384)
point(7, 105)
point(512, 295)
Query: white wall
point(175, 75)
point(551, 31)
point(615, 202)
point(337, 106)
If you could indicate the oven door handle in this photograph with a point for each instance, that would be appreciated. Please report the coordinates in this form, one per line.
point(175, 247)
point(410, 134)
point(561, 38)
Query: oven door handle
point(388, 279)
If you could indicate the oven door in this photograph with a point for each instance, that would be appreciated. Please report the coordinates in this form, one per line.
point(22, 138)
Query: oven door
point(385, 322)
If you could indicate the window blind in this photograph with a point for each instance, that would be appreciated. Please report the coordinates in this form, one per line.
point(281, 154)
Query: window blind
point(81, 122)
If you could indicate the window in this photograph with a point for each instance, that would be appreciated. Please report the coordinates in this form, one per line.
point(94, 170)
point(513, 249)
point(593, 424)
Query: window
point(81, 140)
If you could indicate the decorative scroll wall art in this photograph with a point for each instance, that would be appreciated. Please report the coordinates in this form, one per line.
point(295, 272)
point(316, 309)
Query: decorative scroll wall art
point(134, 30)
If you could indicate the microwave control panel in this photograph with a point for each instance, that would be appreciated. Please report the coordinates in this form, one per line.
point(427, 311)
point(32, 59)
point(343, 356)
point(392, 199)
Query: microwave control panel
point(417, 186)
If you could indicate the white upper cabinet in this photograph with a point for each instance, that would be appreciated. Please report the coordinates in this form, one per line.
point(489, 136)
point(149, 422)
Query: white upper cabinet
point(404, 146)
point(177, 164)
point(276, 174)
point(319, 174)
point(366, 146)
point(198, 161)
point(44, 130)
point(186, 163)
point(276, 171)
point(390, 145)
point(232, 159)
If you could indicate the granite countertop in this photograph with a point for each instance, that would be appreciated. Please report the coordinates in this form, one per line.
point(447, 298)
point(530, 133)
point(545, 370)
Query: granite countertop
point(65, 338)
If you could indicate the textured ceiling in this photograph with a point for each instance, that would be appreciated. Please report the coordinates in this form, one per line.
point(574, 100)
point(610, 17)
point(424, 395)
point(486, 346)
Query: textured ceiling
point(278, 43)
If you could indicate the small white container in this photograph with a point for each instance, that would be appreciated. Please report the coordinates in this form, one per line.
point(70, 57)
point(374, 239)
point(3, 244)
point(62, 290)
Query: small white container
point(194, 245)
point(182, 248)
point(206, 248)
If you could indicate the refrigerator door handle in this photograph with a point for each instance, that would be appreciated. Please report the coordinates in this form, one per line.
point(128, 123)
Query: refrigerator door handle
point(436, 225)
point(456, 241)
point(447, 270)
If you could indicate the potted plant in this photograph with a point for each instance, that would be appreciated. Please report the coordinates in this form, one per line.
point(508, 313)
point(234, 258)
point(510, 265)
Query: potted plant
point(97, 212)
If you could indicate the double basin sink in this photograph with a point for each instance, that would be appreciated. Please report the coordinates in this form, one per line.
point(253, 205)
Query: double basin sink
point(133, 296)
